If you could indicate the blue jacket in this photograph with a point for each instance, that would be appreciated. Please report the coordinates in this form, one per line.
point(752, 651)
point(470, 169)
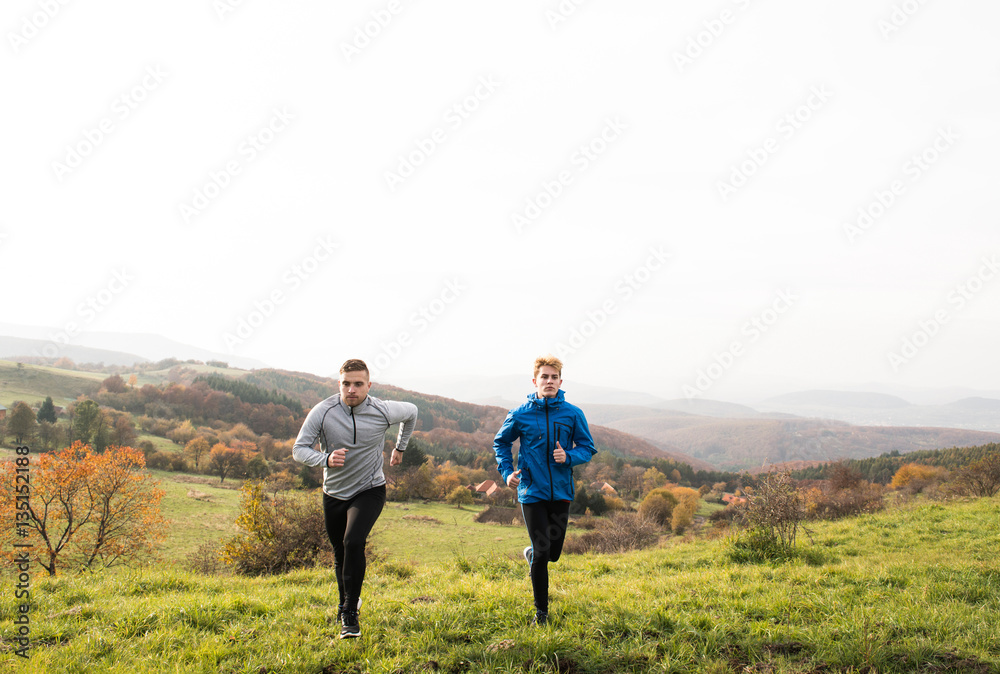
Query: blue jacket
point(539, 423)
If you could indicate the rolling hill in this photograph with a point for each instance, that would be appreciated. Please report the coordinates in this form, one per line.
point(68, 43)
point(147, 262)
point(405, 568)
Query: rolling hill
point(738, 444)
point(744, 441)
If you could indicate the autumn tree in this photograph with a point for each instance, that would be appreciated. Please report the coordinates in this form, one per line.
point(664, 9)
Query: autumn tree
point(21, 423)
point(183, 433)
point(652, 479)
point(114, 384)
point(86, 510)
point(196, 448)
point(122, 430)
point(225, 461)
point(658, 506)
point(915, 477)
point(446, 482)
point(682, 516)
point(460, 496)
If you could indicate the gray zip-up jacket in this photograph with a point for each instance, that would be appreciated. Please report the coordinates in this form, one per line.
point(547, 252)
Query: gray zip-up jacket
point(361, 429)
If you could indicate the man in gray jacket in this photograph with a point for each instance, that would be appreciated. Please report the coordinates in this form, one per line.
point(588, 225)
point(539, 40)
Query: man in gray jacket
point(350, 427)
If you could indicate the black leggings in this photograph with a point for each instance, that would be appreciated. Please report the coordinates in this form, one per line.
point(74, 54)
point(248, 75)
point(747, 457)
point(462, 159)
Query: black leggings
point(546, 523)
point(348, 524)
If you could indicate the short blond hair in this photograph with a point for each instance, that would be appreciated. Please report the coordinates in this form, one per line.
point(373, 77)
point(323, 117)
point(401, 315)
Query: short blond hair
point(549, 360)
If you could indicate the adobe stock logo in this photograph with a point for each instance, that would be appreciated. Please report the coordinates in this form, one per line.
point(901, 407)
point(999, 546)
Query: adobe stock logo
point(913, 169)
point(454, 117)
point(291, 280)
point(787, 126)
point(582, 159)
point(247, 152)
point(713, 29)
point(32, 24)
point(753, 329)
point(624, 289)
point(929, 328)
point(120, 109)
point(88, 310)
point(421, 319)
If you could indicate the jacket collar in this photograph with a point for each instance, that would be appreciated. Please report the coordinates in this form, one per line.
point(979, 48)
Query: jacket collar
point(540, 402)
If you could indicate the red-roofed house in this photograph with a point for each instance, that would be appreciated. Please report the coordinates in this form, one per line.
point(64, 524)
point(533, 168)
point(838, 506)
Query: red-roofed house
point(487, 488)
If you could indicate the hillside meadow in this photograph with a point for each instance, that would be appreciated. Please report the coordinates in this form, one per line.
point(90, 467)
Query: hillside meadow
point(911, 589)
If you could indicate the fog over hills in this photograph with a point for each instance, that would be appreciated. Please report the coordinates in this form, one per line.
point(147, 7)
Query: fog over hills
point(805, 425)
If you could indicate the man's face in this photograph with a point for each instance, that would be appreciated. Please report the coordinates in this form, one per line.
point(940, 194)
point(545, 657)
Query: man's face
point(547, 381)
point(354, 387)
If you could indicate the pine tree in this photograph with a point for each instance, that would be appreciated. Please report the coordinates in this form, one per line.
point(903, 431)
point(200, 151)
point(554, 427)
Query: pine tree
point(47, 412)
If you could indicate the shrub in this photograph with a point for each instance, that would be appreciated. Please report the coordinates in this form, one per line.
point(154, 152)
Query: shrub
point(658, 506)
point(724, 516)
point(981, 478)
point(862, 498)
point(619, 533)
point(687, 505)
point(276, 534)
point(916, 477)
point(756, 545)
point(207, 559)
point(772, 512)
point(614, 503)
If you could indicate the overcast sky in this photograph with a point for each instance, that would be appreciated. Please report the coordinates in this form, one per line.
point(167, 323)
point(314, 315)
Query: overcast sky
point(708, 198)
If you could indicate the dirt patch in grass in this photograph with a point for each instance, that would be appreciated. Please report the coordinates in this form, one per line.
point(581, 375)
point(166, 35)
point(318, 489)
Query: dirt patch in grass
point(500, 515)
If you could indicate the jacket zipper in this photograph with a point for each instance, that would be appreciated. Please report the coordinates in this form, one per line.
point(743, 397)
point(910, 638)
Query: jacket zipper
point(353, 421)
point(548, 455)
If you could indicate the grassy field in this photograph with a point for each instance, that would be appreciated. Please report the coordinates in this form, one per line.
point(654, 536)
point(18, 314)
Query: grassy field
point(913, 589)
point(33, 382)
point(201, 510)
point(198, 510)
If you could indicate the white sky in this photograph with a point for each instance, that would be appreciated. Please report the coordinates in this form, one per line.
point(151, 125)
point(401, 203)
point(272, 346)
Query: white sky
point(444, 238)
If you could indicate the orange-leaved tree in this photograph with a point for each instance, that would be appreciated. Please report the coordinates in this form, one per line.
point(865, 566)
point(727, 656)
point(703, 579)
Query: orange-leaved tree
point(86, 510)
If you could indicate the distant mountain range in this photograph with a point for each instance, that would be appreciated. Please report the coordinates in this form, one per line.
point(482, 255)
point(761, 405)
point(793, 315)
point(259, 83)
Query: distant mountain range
point(814, 425)
point(876, 409)
point(110, 348)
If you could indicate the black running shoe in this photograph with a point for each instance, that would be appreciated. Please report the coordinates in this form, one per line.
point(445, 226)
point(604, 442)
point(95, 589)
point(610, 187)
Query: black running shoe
point(340, 610)
point(541, 618)
point(350, 629)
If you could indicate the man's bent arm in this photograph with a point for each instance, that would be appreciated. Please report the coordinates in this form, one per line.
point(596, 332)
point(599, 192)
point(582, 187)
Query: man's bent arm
point(404, 414)
point(303, 451)
point(502, 444)
point(583, 443)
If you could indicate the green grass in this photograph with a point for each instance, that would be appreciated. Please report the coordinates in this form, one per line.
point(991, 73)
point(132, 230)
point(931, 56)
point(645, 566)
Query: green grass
point(909, 590)
point(193, 521)
point(706, 508)
point(160, 444)
point(436, 532)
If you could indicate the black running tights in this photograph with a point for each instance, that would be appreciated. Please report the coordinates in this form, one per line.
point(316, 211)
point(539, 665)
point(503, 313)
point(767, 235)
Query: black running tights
point(546, 523)
point(348, 524)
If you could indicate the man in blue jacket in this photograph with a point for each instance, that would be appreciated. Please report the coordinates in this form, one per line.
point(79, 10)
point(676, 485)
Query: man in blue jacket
point(554, 437)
